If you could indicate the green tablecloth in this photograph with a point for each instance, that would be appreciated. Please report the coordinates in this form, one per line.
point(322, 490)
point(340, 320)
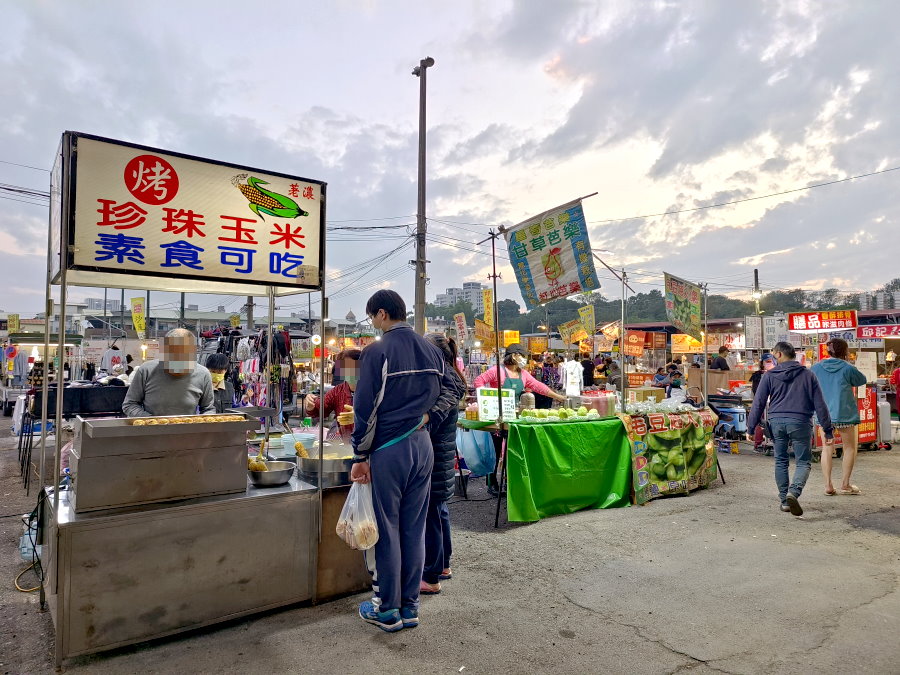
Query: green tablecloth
point(563, 468)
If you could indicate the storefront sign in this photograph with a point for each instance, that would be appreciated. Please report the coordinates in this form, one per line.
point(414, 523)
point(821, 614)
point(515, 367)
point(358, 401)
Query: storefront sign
point(868, 365)
point(487, 297)
point(866, 331)
point(634, 343)
point(852, 340)
point(774, 331)
point(537, 345)
point(551, 255)
point(611, 330)
point(868, 416)
point(302, 348)
point(753, 332)
point(572, 331)
point(235, 320)
point(138, 317)
point(685, 344)
point(483, 331)
point(143, 211)
point(488, 410)
point(683, 305)
point(477, 357)
point(657, 340)
point(462, 333)
point(603, 343)
point(733, 341)
point(818, 321)
point(12, 323)
point(586, 314)
point(672, 453)
point(509, 337)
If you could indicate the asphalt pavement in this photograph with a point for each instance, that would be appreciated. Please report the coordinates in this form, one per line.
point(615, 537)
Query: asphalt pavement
point(718, 581)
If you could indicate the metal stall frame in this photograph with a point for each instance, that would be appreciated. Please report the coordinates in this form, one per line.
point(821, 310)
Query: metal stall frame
point(61, 223)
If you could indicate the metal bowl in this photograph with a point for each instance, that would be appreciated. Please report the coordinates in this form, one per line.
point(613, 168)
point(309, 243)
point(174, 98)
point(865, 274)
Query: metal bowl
point(279, 473)
point(335, 472)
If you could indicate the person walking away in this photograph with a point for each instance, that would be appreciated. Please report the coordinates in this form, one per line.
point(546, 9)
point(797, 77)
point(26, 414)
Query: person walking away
point(442, 429)
point(402, 381)
point(721, 361)
point(837, 378)
point(765, 364)
point(588, 365)
point(512, 376)
point(792, 394)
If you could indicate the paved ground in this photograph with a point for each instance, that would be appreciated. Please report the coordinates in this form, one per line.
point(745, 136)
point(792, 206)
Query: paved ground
point(720, 581)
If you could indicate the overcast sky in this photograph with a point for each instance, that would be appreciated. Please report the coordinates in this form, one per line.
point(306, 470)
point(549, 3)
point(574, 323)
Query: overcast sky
point(656, 106)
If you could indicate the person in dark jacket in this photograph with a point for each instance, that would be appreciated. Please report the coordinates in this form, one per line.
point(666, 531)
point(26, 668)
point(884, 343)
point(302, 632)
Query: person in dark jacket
point(765, 364)
point(402, 383)
point(792, 394)
point(588, 367)
point(223, 390)
point(720, 362)
point(838, 378)
point(438, 545)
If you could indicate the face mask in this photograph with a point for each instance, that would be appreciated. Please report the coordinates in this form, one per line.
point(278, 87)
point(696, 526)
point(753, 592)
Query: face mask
point(179, 367)
point(218, 378)
point(520, 361)
point(351, 379)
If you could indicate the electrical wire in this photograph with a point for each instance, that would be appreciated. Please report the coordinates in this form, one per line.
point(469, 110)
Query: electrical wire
point(19, 576)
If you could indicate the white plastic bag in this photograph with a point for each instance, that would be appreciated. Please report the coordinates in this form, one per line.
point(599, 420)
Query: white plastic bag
point(356, 525)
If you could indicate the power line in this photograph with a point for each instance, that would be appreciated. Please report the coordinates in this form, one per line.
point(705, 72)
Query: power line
point(24, 166)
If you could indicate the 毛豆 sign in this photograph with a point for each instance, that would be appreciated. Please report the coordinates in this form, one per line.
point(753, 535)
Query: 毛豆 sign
point(489, 409)
point(142, 211)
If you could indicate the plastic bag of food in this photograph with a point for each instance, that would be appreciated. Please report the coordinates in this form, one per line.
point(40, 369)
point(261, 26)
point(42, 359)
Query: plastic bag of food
point(356, 525)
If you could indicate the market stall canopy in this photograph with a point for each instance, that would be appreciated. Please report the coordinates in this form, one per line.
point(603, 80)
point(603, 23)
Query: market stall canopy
point(142, 218)
point(37, 339)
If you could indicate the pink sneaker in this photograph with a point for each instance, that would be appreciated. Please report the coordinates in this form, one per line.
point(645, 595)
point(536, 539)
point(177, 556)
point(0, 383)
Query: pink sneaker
point(429, 589)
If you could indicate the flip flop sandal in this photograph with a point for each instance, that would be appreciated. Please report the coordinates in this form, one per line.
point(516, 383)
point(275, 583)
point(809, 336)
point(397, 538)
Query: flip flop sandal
point(852, 491)
point(830, 494)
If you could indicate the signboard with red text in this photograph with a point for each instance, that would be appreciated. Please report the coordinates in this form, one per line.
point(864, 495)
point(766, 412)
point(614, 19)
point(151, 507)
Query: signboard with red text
point(876, 332)
point(821, 321)
point(134, 210)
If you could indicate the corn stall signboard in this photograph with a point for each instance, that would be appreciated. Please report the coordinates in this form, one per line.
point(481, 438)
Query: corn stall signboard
point(139, 210)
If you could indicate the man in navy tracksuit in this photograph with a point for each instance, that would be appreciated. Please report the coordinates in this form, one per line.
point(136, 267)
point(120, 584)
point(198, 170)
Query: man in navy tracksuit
point(401, 382)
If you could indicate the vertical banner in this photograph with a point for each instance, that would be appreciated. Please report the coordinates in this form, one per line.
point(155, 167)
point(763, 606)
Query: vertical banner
point(487, 296)
point(753, 332)
point(551, 255)
point(587, 318)
point(634, 343)
point(683, 305)
point(12, 323)
point(462, 333)
point(138, 317)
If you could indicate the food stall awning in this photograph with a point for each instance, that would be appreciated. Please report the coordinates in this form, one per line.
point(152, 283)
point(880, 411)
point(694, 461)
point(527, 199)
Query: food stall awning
point(37, 339)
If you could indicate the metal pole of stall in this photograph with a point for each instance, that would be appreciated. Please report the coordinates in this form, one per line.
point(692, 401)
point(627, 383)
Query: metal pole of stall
point(270, 339)
point(705, 345)
point(622, 340)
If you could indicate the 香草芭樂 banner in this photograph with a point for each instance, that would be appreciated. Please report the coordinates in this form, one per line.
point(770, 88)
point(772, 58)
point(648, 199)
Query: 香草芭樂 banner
point(551, 255)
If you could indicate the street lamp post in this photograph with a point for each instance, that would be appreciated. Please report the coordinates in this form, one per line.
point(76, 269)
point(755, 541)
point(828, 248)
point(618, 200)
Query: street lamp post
point(419, 309)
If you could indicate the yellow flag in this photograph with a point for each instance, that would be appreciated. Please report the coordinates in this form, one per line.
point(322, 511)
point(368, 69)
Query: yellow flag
point(487, 296)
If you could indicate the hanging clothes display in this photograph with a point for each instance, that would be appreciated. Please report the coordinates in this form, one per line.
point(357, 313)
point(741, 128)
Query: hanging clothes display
point(574, 378)
point(111, 357)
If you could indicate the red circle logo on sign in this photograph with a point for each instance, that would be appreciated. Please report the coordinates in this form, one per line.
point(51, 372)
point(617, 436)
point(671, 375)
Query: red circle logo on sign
point(151, 179)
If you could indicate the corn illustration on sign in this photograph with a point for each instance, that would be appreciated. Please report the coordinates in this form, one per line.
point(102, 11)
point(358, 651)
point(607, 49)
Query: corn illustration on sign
point(155, 214)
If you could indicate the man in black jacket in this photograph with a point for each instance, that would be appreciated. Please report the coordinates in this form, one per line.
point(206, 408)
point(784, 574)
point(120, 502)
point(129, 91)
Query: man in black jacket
point(720, 362)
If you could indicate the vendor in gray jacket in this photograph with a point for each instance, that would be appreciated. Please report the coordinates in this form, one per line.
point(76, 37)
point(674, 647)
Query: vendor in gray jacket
point(792, 395)
point(402, 382)
point(176, 385)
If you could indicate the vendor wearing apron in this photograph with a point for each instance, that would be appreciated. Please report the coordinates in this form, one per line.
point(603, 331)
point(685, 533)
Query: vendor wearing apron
point(402, 381)
point(512, 376)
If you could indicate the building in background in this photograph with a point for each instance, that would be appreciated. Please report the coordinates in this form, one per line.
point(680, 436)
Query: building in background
point(879, 300)
point(470, 292)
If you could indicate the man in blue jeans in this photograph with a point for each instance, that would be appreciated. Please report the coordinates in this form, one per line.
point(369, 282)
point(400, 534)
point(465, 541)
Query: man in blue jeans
point(792, 395)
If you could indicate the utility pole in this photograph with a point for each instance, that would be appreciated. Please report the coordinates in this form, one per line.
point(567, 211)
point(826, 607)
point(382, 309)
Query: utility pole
point(419, 308)
point(250, 313)
point(181, 313)
point(757, 294)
